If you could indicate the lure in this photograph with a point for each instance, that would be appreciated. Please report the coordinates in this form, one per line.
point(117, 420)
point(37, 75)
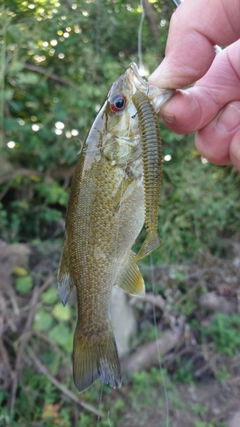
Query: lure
point(152, 170)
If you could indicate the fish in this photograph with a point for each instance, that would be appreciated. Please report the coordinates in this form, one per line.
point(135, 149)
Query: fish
point(105, 214)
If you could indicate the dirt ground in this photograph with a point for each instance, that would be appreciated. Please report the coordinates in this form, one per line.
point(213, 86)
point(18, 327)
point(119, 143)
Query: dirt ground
point(211, 399)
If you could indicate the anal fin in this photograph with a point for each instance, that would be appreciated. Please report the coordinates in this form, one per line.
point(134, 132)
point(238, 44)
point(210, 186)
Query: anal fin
point(130, 279)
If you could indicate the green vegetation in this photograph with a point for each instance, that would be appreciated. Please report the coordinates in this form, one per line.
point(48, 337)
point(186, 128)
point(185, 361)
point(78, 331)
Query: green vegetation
point(224, 330)
point(43, 133)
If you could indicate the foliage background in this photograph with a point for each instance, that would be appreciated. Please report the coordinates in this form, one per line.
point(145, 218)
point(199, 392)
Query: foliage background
point(57, 64)
point(58, 60)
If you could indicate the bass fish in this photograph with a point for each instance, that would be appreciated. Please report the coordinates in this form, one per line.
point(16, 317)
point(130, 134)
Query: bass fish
point(114, 190)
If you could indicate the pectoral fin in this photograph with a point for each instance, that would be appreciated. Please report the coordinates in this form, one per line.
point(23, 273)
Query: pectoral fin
point(65, 283)
point(130, 279)
point(124, 191)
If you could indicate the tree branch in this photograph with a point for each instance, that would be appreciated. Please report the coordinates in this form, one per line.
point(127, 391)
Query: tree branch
point(153, 24)
point(148, 354)
point(48, 74)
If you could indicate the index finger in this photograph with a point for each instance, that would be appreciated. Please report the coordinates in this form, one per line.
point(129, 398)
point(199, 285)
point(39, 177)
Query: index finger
point(195, 28)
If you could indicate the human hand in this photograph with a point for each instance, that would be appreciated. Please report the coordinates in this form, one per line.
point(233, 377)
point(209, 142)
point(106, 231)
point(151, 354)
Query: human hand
point(212, 106)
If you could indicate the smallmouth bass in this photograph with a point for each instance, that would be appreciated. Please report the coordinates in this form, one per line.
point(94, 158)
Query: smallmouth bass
point(106, 212)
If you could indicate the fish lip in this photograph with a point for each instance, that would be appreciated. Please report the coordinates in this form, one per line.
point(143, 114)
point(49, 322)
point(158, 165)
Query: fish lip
point(157, 96)
point(134, 68)
point(136, 80)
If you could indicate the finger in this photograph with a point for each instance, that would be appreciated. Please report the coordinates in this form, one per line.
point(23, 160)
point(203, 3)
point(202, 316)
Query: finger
point(192, 109)
point(215, 140)
point(194, 28)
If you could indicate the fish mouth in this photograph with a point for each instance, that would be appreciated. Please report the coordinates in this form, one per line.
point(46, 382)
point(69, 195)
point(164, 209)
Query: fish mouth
point(136, 79)
point(157, 96)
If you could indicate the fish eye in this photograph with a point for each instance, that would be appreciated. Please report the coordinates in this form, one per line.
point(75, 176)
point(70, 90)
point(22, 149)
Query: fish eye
point(117, 103)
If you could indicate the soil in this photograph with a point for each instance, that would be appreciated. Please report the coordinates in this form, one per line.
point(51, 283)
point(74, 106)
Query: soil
point(210, 398)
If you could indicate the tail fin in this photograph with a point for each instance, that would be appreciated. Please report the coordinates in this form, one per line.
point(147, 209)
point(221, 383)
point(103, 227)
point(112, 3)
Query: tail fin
point(95, 357)
point(151, 243)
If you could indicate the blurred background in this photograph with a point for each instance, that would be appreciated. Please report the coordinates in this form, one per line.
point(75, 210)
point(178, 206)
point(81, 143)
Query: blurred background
point(57, 62)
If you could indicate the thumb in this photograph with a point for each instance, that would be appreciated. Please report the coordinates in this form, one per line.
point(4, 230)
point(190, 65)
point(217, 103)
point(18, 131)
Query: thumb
point(195, 27)
point(219, 140)
point(192, 109)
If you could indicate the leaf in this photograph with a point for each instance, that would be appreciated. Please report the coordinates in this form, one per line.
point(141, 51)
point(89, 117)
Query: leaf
point(42, 321)
point(61, 335)
point(20, 271)
point(51, 411)
point(24, 284)
point(61, 313)
point(50, 296)
point(14, 68)
point(8, 94)
point(28, 78)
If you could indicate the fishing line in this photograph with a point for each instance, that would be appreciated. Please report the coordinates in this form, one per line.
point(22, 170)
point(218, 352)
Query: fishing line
point(157, 344)
point(151, 261)
point(140, 36)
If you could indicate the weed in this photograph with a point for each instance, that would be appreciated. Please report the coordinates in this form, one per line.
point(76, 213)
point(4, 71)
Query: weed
point(224, 331)
point(198, 409)
point(184, 372)
point(223, 374)
point(212, 423)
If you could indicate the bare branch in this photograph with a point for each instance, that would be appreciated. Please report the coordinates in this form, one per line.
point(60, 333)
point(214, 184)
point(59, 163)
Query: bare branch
point(153, 24)
point(147, 355)
point(157, 300)
point(48, 74)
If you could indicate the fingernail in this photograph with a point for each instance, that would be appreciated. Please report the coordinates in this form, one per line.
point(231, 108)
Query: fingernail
point(167, 115)
point(228, 119)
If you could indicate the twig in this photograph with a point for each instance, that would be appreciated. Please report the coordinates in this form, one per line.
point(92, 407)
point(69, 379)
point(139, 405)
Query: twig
point(147, 354)
point(62, 388)
point(152, 21)
point(5, 360)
